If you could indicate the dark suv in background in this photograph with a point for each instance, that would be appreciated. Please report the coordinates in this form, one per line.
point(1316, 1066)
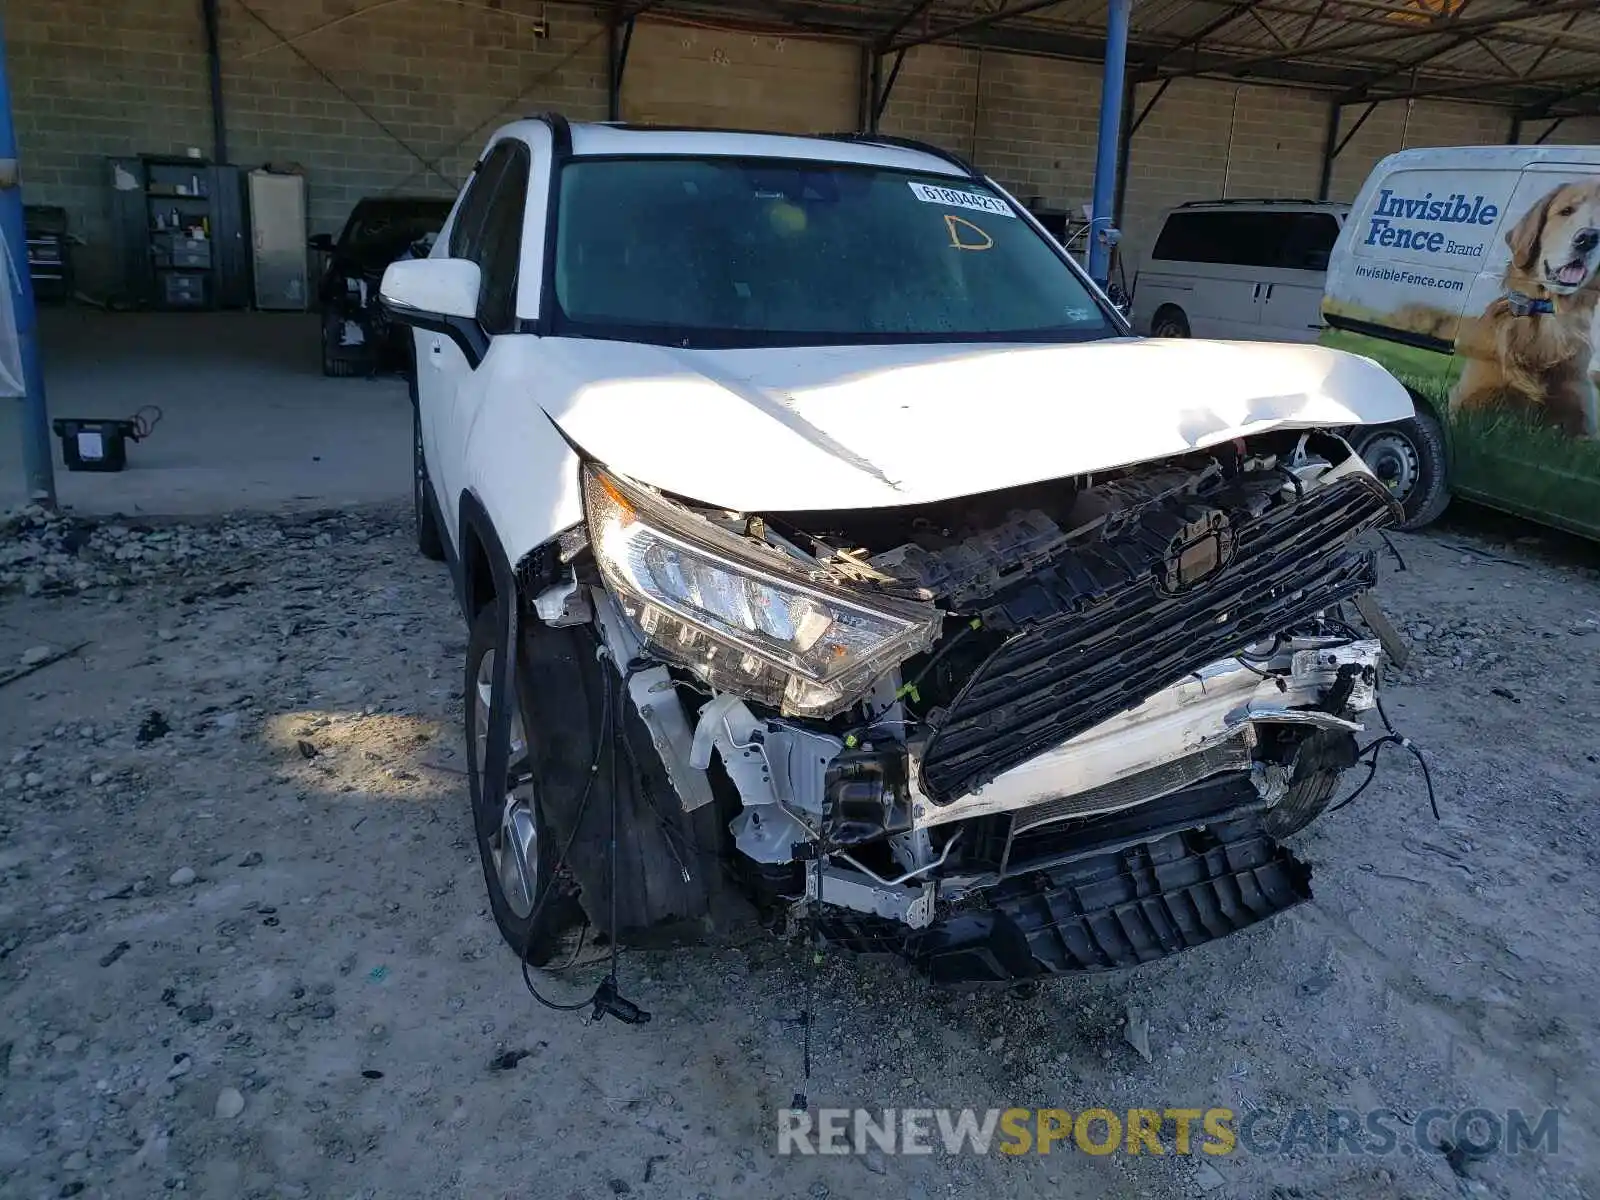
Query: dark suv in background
point(357, 338)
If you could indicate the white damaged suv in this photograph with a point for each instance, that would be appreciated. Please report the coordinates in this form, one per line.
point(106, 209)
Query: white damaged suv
point(826, 535)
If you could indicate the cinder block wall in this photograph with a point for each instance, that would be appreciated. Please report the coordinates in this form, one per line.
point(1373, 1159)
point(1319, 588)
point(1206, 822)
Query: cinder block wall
point(92, 79)
point(89, 80)
point(420, 86)
point(401, 97)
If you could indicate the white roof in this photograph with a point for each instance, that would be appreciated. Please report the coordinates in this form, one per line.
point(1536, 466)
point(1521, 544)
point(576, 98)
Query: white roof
point(600, 139)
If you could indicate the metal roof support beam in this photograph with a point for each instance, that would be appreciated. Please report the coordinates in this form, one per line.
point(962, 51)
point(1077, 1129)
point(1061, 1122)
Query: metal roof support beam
point(1130, 126)
point(1542, 109)
point(1482, 87)
point(1545, 53)
point(619, 36)
point(1311, 25)
point(1553, 126)
point(1406, 67)
point(1333, 145)
point(1363, 41)
point(880, 95)
point(219, 123)
point(1113, 85)
point(1205, 31)
point(1330, 138)
point(973, 24)
point(905, 19)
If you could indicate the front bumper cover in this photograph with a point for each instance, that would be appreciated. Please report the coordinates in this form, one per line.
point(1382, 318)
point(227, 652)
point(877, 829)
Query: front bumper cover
point(1121, 905)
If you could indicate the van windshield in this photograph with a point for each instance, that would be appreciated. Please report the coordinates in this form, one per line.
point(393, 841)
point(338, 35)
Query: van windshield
point(752, 252)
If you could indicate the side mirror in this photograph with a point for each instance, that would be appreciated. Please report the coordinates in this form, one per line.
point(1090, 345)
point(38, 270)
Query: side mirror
point(431, 290)
point(321, 242)
point(439, 295)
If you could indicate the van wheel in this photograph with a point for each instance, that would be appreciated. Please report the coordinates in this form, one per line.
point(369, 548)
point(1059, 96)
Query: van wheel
point(1409, 459)
point(1169, 322)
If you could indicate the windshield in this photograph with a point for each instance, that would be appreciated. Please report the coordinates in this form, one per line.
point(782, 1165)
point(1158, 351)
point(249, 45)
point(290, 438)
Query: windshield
point(750, 252)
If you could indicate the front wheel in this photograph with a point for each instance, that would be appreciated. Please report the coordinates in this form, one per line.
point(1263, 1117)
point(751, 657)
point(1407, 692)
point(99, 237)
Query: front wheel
point(1169, 322)
point(515, 846)
point(1409, 458)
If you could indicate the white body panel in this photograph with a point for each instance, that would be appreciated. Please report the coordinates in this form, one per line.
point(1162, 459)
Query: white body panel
point(831, 427)
point(875, 426)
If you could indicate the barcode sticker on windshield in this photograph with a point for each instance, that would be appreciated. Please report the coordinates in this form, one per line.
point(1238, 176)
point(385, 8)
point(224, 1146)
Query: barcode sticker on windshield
point(950, 197)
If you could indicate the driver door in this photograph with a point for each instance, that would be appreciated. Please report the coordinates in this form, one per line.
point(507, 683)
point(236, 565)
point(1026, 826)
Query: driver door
point(442, 367)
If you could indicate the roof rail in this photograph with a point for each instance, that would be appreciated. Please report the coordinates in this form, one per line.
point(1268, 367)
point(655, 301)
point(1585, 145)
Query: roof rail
point(905, 143)
point(560, 132)
point(1252, 200)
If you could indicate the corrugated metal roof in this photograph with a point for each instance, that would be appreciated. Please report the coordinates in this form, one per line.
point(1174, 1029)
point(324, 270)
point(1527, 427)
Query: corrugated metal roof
point(1538, 55)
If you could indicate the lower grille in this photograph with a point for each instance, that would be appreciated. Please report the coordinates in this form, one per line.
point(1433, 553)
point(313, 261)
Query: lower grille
point(1098, 632)
point(1231, 755)
point(1111, 910)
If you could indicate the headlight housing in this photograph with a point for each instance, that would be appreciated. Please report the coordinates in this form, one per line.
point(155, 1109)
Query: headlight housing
point(746, 622)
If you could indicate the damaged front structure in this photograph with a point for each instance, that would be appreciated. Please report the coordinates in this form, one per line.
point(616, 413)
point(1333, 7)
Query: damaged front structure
point(841, 539)
point(1117, 696)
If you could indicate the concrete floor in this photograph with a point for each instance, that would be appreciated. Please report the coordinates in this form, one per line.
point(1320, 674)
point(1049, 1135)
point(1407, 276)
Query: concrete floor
point(249, 421)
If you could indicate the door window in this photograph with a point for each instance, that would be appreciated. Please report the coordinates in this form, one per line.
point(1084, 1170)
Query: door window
point(499, 247)
point(488, 231)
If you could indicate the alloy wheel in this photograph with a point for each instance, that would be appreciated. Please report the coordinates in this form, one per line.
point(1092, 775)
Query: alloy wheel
point(514, 842)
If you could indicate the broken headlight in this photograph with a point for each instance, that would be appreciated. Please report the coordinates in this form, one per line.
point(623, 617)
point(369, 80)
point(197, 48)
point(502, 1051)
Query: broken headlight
point(745, 620)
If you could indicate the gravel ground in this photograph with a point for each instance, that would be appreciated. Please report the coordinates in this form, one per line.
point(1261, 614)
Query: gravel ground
point(244, 950)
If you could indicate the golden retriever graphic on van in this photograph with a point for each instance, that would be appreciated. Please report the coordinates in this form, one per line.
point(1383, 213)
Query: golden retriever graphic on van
point(1532, 349)
point(1473, 274)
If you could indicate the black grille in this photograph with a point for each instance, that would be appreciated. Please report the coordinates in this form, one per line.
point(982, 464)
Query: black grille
point(1095, 634)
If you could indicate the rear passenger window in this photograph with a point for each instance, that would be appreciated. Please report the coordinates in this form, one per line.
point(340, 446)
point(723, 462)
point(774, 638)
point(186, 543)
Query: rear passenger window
point(1248, 238)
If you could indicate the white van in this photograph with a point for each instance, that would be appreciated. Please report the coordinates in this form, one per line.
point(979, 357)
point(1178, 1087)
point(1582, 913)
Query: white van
point(1250, 269)
point(1473, 274)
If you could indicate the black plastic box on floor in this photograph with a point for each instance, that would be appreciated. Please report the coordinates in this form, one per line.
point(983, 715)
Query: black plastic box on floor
point(81, 437)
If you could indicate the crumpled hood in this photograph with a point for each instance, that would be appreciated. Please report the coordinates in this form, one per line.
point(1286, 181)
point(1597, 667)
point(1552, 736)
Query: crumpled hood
point(844, 427)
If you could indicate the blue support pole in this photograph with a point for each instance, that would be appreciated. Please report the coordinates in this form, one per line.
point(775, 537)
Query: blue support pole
point(1112, 87)
point(36, 451)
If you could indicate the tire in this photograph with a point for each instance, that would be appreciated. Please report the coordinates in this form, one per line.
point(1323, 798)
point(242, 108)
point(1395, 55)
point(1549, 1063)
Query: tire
point(1169, 322)
point(1322, 760)
point(336, 362)
point(531, 923)
point(1410, 458)
point(430, 541)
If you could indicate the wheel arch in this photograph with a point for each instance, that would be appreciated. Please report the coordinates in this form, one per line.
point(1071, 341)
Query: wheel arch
point(1169, 306)
point(483, 574)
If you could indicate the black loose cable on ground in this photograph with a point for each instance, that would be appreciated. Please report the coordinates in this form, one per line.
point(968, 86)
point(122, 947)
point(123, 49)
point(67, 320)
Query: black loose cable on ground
point(607, 998)
point(1374, 748)
point(1389, 542)
point(144, 425)
point(802, 1099)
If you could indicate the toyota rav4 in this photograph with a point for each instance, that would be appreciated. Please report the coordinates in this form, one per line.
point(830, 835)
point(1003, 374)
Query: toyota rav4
point(828, 542)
